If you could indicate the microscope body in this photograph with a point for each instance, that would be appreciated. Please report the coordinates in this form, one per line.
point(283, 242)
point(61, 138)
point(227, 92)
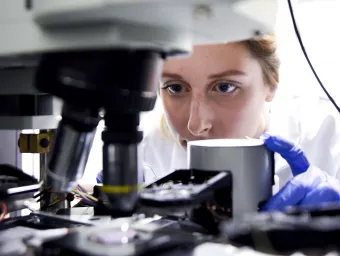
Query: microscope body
point(169, 26)
point(103, 60)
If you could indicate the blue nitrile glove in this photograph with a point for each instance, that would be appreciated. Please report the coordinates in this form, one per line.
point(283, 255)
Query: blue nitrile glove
point(99, 177)
point(309, 186)
point(289, 151)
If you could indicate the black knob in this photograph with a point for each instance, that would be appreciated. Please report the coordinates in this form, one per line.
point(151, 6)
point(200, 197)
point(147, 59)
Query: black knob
point(44, 143)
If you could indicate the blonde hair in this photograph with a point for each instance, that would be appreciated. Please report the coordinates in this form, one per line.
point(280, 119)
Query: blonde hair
point(265, 51)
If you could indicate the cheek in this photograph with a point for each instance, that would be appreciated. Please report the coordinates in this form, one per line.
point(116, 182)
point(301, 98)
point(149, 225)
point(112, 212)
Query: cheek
point(239, 117)
point(172, 108)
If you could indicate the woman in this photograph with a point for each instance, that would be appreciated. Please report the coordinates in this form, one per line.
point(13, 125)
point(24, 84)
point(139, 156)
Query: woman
point(225, 91)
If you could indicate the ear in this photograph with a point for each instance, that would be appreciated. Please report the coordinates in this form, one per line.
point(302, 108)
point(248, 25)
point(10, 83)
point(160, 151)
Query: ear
point(272, 88)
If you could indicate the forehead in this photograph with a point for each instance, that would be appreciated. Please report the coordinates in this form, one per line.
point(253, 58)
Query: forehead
point(211, 58)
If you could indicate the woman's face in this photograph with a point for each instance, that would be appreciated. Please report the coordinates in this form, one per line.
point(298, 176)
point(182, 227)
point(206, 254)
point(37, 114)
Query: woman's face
point(218, 92)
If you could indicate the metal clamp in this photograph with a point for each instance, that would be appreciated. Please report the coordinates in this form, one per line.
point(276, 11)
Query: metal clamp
point(35, 143)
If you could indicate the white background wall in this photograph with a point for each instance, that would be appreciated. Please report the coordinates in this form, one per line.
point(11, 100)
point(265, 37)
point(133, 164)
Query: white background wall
point(319, 25)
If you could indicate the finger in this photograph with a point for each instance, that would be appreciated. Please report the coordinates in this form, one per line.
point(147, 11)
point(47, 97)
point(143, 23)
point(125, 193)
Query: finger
point(291, 194)
point(291, 152)
point(277, 144)
point(324, 193)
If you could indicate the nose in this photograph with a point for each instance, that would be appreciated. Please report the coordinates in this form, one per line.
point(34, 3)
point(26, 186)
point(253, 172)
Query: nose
point(199, 123)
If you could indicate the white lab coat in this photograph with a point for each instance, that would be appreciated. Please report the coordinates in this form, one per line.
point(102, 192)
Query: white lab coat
point(313, 123)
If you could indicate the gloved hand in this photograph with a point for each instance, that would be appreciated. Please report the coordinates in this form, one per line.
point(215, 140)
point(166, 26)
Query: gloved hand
point(292, 153)
point(309, 186)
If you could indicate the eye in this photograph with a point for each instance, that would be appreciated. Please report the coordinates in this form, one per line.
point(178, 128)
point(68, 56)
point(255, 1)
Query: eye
point(225, 87)
point(175, 88)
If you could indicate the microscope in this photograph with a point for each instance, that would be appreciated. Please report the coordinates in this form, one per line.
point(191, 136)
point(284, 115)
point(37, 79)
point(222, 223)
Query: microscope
point(103, 59)
point(87, 61)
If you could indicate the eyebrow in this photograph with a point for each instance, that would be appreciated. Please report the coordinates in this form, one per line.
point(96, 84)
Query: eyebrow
point(231, 72)
point(172, 75)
